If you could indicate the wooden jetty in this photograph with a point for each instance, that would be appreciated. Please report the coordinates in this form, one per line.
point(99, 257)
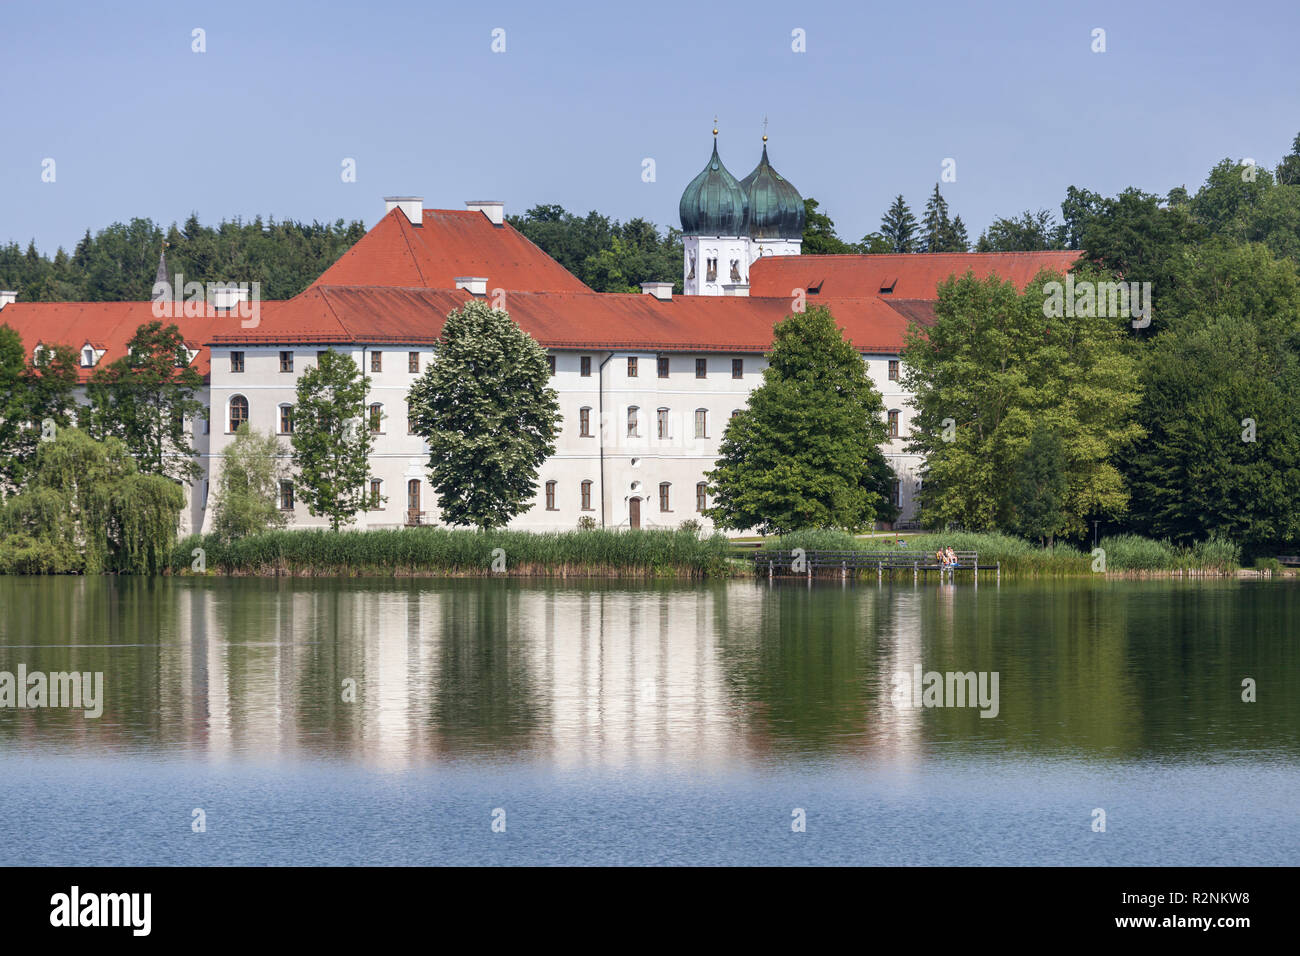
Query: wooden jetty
point(858, 564)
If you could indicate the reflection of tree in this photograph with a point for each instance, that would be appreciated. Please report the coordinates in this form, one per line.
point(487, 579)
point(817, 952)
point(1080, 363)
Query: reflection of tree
point(804, 671)
point(484, 696)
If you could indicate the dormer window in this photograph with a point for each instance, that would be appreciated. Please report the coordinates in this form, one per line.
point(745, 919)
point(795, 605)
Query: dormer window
point(887, 286)
point(40, 355)
point(88, 356)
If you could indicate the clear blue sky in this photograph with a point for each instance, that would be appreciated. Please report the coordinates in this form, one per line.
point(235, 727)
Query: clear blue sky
point(139, 125)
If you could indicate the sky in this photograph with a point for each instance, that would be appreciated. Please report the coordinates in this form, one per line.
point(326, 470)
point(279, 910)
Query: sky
point(284, 94)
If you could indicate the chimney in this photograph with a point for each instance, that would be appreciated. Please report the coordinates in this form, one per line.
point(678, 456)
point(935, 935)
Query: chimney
point(474, 285)
point(494, 209)
point(412, 207)
point(663, 291)
point(227, 297)
point(6, 297)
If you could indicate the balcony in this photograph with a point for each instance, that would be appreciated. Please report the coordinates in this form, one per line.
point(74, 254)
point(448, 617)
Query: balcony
point(415, 518)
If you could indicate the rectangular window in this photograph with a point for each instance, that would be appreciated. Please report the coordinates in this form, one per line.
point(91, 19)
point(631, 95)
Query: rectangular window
point(376, 418)
point(413, 362)
point(663, 366)
point(320, 354)
point(663, 496)
point(896, 493)
point(893, 370)
point(737, 368)
point(701, 423)
point(375, 486)
point(631, 421)
point(286, 419)
point(584, 423)
point(586, 496)
point(550, 362)
point(376, 361)
point(701, 368)
point(236, 361)
point(550, 496)
point(286, 361)
point(663, 423)
point(893, 424)
point(631, 366)
point(410, 424)
point(585, 366)
point(286, 496)
point(701, 496)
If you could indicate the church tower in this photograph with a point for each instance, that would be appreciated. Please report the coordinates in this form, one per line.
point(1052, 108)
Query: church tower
point(728, 225)
point(715, 231)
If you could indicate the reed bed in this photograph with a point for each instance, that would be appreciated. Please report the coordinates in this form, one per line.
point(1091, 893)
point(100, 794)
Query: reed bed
point(459, 553)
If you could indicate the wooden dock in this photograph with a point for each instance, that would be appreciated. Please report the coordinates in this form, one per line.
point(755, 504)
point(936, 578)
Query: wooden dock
point(859, 564)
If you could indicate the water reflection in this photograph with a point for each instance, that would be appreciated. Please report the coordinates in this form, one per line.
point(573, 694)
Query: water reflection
point(623, 676)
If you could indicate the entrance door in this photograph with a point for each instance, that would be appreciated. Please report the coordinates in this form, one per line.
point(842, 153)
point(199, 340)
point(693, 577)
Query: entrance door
point(413, 501)
point(634, 512)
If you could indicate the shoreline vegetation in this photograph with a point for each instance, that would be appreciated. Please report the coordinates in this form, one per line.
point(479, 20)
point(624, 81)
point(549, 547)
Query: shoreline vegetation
point(681, 554)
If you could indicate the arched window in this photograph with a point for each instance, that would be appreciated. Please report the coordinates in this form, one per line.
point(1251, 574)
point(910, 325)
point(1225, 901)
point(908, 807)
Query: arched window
point(376, 417)
point(663, 496)
point(701, 423)
point(376, 493)
point(584, 422)
point(701, 496)
point(286, 419)
point(586, 495)
point(238, 412)
point(550, 496)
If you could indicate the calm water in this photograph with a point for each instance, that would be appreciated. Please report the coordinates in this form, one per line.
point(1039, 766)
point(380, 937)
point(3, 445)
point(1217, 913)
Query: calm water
point(651, 724)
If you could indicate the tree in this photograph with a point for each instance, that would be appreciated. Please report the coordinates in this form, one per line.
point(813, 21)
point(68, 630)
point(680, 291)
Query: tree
point(34, 398)
point(145, 398)
point(819, 238)
point(955, 238)
point(331, 441)
point(489, 415)
point(87, 508)
point(988, 371)
point(804, 452)
point(935, 227)
point(607, 255)
point(251, 471)
point(1028, 232)
point(1040, 487)
point(1288, 171)
point(1223, 450)
point(898, 226)
point(1077, 210)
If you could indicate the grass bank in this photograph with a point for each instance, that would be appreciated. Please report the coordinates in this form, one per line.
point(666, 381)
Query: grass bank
point(459, 553)
point(1124, 554)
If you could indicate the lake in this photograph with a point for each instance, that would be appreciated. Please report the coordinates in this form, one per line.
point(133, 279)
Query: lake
point(365, 721)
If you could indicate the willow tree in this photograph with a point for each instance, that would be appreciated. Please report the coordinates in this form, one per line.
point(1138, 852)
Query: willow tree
point(245, 499)
point(88, 508)
point(489, 415)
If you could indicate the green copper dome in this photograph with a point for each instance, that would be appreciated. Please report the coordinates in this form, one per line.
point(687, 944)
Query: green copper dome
point(776, 209)
point(714, 204)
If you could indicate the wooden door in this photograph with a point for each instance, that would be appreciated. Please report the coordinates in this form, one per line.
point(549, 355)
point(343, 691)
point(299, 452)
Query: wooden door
point(634, 513)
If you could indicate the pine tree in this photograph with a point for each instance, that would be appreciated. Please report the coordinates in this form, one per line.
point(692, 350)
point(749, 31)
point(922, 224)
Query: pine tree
point(898, 226)
point(331, 440)
point(804, 452)
point(489, 415)
point(936, 226)
point(956, 240)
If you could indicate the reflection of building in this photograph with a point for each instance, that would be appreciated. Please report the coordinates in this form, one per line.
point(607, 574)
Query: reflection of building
point(647, 382)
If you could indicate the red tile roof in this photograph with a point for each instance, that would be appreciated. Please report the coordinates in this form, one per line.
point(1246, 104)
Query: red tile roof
point(109, 326)
point(912, 276)
point(448, 244)
point(564, 320)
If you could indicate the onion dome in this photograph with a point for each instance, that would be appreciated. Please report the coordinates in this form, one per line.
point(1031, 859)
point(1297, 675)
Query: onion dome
point(714, 204)
point(776, 209)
